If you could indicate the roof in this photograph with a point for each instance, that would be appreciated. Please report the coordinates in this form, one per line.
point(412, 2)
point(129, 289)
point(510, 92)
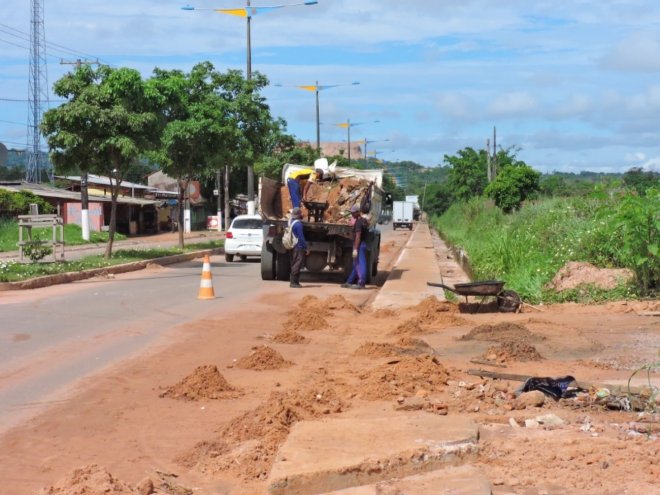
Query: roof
point(102, 180)
point(48, 191)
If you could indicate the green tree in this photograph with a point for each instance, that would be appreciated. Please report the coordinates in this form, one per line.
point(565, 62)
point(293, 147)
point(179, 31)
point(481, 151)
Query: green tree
point(468, 173)
point(513, 185)
point(285, 150)
point(103, 127)
point(439, 198)
point(639, 180)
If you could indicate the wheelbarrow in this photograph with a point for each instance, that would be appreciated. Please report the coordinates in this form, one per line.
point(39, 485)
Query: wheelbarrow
point(508, 301)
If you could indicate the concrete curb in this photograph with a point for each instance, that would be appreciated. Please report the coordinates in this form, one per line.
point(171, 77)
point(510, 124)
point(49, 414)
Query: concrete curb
point(65, 278)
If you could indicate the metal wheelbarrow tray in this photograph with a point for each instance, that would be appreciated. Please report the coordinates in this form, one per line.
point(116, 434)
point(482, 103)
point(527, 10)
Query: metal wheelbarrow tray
point(508, 301)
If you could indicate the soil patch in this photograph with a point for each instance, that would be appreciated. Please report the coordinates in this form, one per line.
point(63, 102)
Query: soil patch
point(574, 274)
point(432, 304)
point(337, 301)
point(409, 327)
point(89, 480)
point(512, 351)
point(405, 377)
point(404, 346)
point(502, 332)
point(248, 444)
point(206, 382)
point(385, 313)
point(442, 319)
point(263, 358)
point(290, 337)
point(305, 319)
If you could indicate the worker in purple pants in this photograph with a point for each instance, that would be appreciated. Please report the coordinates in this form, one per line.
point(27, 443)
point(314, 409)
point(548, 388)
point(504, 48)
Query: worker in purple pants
point(357, 278)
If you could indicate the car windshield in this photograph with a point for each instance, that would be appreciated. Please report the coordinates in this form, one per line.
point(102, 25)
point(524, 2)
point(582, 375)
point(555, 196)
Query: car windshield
point(247, 223)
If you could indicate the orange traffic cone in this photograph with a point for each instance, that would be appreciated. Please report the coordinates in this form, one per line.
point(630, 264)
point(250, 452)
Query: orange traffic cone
point(206, 284)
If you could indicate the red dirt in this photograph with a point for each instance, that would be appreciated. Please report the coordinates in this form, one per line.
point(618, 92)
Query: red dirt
point(89, 480)
point(305, 319)
point(263, 358)
point(502, 332)
point(573, 274)
point(289, 337)
point(205, 382)
point(512, 351)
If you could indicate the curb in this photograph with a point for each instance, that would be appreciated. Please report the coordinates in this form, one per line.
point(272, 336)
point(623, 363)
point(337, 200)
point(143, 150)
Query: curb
point(65, 278)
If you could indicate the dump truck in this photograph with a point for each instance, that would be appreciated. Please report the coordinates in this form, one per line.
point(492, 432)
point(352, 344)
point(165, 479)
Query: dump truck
point(327, 221)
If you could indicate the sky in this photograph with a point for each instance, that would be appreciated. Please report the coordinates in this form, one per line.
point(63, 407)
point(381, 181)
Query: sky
point(571, 85)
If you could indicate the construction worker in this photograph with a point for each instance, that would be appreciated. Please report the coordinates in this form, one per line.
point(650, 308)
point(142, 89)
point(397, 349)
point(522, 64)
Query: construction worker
point(358, 276)
point(299, 250)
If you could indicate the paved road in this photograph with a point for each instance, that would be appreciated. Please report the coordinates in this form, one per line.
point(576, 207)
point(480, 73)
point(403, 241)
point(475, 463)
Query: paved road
point(50, 338)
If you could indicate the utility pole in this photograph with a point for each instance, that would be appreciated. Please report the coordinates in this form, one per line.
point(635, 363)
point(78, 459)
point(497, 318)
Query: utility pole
point(84, 176)
point(488, 169)
point(37, 92)
point(494, 152)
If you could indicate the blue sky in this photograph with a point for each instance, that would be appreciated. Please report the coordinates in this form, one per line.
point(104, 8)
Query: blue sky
point(575, 85)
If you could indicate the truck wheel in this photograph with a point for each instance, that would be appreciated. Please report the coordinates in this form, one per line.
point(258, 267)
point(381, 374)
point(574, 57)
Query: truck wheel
point(283, 271)
point(267, 263)
point(229, 258)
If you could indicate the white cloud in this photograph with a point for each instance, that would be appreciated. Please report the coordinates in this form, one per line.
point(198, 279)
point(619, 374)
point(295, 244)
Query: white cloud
point(513, 104)
point(638, 52)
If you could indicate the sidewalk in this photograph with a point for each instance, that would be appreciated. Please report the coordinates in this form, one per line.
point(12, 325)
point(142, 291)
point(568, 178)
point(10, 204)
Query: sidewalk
point(416, 265)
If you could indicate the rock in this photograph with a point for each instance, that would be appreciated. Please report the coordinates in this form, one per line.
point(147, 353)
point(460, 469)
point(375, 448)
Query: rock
point(411, 404)
point(501, 386)
point(531, 423)
point(145, 487)
point(530, 399)
point(513, 423)
point(550, 420)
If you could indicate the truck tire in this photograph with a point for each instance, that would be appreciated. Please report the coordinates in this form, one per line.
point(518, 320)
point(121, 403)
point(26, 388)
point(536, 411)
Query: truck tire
point(229, 258)
point(268, 264)
point(283, 271)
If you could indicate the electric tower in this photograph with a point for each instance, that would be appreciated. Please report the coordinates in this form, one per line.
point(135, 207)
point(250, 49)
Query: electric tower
point(37, 92)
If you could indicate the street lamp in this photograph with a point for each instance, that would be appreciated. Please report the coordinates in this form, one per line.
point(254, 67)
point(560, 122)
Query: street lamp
point(366, 142)
point(347, 125)
point(248, 12)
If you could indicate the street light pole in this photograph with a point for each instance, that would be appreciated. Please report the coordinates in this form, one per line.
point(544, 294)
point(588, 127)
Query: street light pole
point(366, 142)
point(347, 125)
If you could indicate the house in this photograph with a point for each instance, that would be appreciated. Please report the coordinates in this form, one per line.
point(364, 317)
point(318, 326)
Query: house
point(164, 184)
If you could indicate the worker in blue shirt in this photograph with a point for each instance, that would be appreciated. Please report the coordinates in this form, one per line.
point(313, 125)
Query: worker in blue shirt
point(300, 250)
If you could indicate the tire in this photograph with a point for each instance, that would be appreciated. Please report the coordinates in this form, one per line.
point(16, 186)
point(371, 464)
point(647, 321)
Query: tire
point(283, 271)
point(508, 301)
point(243, 258)
point(229, 258)
point(268, 264)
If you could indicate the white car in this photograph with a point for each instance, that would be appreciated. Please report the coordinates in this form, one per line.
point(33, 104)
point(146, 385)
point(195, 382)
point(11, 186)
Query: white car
point(244, 237)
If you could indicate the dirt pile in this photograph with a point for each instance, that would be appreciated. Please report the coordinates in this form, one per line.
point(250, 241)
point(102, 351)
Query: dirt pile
point(402, 347)
point(206, 382)
point(574, 274)
point(385, 313)
point(502, 332)
point(404, 377)
point(249, 443)
point(89, 480)
point(408, 327)
point(289, 337)
point(432, 304)
point(337, 301)
point(311, 303)
point(512, 351)
point(304, 319)
point(263, 358)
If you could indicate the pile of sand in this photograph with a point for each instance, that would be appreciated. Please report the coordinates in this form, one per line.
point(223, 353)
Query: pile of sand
point(409, 327)
point(89, 480)
point(512, 351)
point(311, 303)
point(337, 301)
point(432, 304)
point(574, 274)
point(502, 332)
point(263, 358)
point(249, 443)
point(403, 377)
point(205, 382)
point(385, 313)
point(404, 346)
point(305, 319)
point(289, 337)
point(440, 319)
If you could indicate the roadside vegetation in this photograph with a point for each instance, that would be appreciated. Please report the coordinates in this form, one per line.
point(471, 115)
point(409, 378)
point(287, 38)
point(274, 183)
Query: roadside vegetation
point(11, 271)
point(512, 233)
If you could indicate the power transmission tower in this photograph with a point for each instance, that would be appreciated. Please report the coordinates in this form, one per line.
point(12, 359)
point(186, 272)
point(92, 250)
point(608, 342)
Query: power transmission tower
point(37, 92)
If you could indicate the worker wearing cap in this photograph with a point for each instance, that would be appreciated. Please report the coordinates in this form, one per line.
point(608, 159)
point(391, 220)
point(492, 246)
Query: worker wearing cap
point(358, 276)
point(293, 183)
point(300, 249)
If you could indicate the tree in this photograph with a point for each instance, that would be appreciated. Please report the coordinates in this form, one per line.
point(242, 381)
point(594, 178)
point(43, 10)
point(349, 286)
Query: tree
point(439, 198)
point(513, 185)
point(639, 180)
point(468, 173)
point(103, 127)
point(285, 150)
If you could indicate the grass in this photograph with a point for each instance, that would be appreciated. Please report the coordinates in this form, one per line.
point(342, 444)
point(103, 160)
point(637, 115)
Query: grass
point(528, 247)
point(72, 235)
point(13, 272)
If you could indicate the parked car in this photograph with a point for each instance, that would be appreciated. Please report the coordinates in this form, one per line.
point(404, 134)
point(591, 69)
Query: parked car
point(244, 237)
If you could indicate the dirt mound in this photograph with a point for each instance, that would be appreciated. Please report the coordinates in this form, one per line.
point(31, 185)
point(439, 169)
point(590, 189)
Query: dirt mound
point(512, 351)
point(205, 382)
point(403, 377)
point(289, 337)
point(337, 301)
point(433, 305)
point(310, 302)
point(263, 358)
point(249, 443)
point(502, 332)
point(89, 480)
point(440, 319)
point(402, 347)
point(575, 273)
point(408, 327)
point(385, 313)
point(305, 319)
